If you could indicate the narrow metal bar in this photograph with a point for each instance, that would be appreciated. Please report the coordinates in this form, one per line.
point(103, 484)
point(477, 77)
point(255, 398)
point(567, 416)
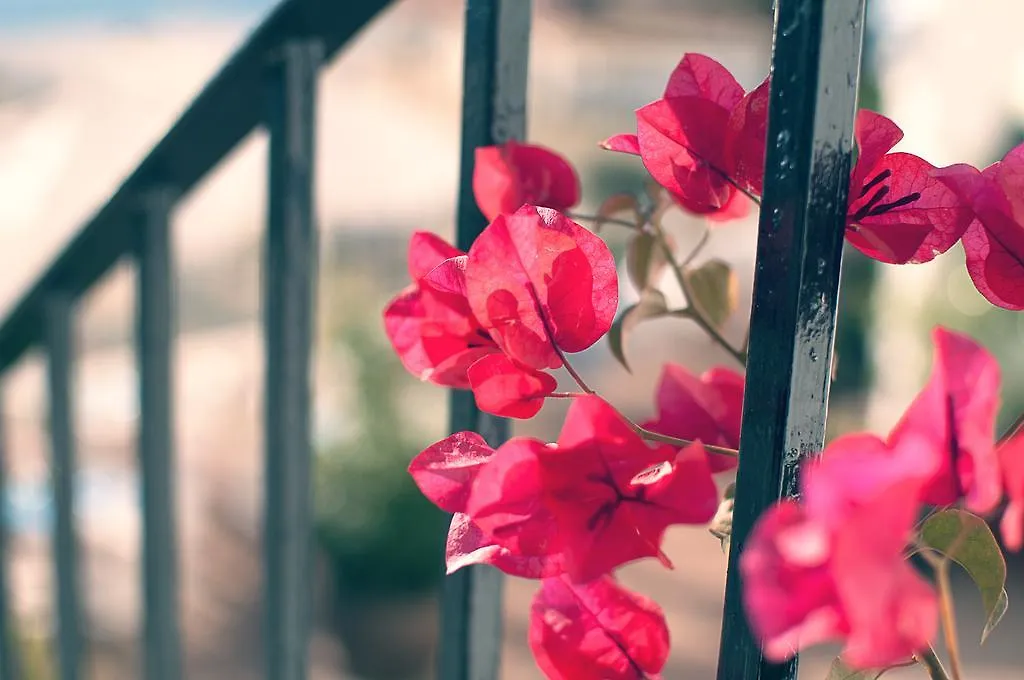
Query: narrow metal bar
point(497, 43)
point(154, 347)
point(290, 273)
point(815, 67)
point(9, 662)
point(59, 342)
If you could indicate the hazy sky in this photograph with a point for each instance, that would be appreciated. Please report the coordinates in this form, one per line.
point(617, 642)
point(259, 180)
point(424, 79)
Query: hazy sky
point(36, 12)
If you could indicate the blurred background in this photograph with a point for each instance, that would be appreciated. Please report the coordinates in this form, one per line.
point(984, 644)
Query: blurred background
point(88, 86)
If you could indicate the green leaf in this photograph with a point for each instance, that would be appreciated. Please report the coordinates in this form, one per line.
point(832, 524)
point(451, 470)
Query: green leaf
point(645, 260)
point(652, 304)
point(617, 204)
point(967, 540)
point(714, 289)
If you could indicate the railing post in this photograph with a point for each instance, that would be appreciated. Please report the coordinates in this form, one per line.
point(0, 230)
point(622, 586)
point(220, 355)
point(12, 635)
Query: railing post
point(9, 666)
point(154, 348)
point(59, 342)
point(497, 42)
point(289, 274)
point(815, 68)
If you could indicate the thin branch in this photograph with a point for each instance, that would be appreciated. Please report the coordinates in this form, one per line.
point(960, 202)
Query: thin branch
point(604, 220)
point(697, 248)
point(694, 312)
point(567, 395)
point(1013, 430)
point(948, 618)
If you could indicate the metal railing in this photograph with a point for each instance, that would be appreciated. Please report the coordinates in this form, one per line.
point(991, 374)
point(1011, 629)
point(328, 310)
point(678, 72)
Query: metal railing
point(271, 81)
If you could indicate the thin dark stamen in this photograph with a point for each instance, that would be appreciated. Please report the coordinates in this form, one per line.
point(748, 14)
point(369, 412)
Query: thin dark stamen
point(880, 177)
point(886, 207)
point(866, 208)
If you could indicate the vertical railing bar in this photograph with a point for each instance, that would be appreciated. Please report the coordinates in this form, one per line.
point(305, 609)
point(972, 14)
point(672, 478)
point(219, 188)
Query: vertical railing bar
point(815, 68)
point(154, 348)
point(497, 37)
point(9, 661)
point(290, 267)
point(59, 341)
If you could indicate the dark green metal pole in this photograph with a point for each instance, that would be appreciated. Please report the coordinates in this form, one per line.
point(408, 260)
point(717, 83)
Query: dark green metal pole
point(9, 666)
point(815, 67)
point(59, 343)
point(497, 43)
point(290, 273)
point(154, 348)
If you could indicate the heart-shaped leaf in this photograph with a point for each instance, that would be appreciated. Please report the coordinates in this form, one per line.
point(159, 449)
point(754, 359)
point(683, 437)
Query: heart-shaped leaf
point(652, 304)
point(967, 540)
point(617, 204)
point(714, 290)
point(645, 260)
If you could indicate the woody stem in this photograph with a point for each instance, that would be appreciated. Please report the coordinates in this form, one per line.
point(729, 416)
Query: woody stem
point(948, 617)
point(1017, 426)
point(598, 219)
point(694, 311)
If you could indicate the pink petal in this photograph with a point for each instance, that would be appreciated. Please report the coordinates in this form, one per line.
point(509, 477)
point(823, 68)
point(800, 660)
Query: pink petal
point(445, 470)
point(468, 545)
point(596, 631)
point(426, 251)
point(509, 176)
point(746, 138)
point(698, 75)
point(506, 390)
point(876, 135)
point(537, 280)
point(624, 143)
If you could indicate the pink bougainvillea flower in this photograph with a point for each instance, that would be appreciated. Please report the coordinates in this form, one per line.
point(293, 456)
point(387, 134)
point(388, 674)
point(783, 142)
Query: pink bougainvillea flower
point(596, 630)
point(508, 176)
point(707, 408)
point(994, 241)
point(900, 210)
point(833, 569)
point(701, 134)
point(1011, 461)
point(598, 498)
point(429, 323)
point(539, 283)
point(955, 414)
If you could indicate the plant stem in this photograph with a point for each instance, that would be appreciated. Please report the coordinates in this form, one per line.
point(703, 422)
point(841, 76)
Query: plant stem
point(603, 220)
point(1017, 426)
point(948, 616)
point(694, 311)
point(930, 660)
point(643, 432)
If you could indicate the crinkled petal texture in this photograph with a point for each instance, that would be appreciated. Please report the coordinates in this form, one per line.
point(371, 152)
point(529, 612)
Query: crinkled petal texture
point(426, 251)
point(508, 176)
point(706, 408)
point(1011, 462)
point(599, 498)
point(900, 210)
point(536, 280)
point(503, 388)
point(745, 137)
point(954, 419)
point(994, 241)
point(596, 631)
point(467, 544)
point(445, 470)
point(833, 569)
point(698, 75)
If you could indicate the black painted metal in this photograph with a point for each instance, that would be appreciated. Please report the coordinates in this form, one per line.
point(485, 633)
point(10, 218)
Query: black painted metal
point(225, 112)
point(154, 342)
point(59, 339)
point(289, 275)
point(815, 68)
point(497, 36)
point(9, 661)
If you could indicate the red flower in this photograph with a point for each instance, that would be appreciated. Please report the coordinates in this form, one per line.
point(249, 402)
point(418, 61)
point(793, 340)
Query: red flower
point(701, 133)
point(509, 176)
point(833, 568)
point(438, 338)
point(955, 415)
point(900, 210)
point(994, 241)
point(707, 408)
point(468, 545)
point(537, 281)
point(429, 323)
point(1011, 460)
point(601, 497)
point(596, 631)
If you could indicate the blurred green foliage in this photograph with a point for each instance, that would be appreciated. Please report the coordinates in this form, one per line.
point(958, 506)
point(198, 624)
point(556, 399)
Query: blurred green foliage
point(380, 535)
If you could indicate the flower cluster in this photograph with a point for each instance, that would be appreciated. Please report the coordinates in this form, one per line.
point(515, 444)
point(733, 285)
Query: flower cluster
point(536, 287)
